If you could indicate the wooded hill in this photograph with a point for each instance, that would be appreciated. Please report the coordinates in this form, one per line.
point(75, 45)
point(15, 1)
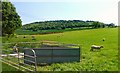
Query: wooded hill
point(63, 24)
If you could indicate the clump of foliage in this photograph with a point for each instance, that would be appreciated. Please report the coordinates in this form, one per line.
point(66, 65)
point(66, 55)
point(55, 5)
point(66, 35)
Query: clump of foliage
point(10, 19)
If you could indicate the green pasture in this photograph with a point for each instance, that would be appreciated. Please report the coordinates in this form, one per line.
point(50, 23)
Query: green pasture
point(105, 59)
point(9, 69)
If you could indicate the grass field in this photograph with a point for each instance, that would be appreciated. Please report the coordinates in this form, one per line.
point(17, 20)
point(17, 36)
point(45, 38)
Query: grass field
point(6, 67)
point(104, 60)
point(9, 69)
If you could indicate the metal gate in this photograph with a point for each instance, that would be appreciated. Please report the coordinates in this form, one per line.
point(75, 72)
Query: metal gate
point(16, 60)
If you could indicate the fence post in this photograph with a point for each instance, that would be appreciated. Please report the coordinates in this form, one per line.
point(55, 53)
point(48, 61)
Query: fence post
point(35, 61)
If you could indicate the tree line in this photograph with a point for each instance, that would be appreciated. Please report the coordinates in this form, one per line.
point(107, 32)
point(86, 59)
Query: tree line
point(64, 24)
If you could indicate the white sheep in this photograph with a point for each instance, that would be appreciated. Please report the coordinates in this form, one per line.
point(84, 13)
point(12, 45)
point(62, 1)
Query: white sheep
point(15, 49)
point(95, 47)
point(33, 37)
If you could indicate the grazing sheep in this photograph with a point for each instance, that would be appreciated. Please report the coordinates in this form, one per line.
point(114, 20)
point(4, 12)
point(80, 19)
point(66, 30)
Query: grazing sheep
point(95, 47)
point(33, 37)
point(24, 36)
point(16, 37)
point(15, 49)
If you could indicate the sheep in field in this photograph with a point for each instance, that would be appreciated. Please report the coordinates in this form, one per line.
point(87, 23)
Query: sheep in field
point(15, 49)
point(95, 47)
point(33, 37)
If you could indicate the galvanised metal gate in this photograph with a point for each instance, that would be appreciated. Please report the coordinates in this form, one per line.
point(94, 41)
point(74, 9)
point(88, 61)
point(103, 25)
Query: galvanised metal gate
point(16, 60)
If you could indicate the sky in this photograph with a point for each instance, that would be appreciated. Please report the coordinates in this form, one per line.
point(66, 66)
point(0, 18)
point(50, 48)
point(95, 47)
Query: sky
point(45, 10)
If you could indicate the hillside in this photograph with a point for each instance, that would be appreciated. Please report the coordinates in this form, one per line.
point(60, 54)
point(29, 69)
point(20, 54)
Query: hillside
point(63, 24)
point(59, 26)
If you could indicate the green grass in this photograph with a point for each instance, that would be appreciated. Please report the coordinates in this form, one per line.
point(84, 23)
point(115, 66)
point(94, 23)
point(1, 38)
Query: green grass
point(104, 60)
point(6, 67)
point(9, 69)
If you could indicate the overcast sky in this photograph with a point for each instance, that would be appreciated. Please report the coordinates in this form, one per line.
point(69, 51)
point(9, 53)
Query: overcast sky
point(42, 10)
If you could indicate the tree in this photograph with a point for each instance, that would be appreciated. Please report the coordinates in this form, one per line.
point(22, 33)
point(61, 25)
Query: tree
point(10, 19)
point(96, 25)
point(103, 25)
point(0, 18)
point(111, 25)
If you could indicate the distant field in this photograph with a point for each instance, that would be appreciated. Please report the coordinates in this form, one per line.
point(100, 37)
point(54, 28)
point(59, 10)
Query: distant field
point(104, 60)
point(30, 32)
